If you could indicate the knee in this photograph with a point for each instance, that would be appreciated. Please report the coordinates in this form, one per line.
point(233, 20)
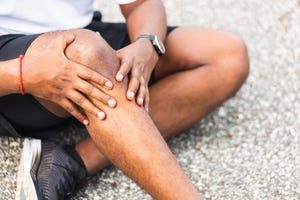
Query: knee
point(233, 60)
point(91, 50)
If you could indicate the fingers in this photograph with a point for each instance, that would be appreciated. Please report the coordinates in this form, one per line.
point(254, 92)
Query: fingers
point(143, 95)
point(133, 86)
point(69, 39)
point(82, 90)
point(124, 69)
point(85, 104)
point(89, 74)
point(74, 111)
point(147, 101)
point(93, 91)
point(134, 83)
point(137, 86)
point(64, 40)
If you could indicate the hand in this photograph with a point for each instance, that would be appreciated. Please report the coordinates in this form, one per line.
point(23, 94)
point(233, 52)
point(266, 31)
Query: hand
point(139, 59)
point(48, 74)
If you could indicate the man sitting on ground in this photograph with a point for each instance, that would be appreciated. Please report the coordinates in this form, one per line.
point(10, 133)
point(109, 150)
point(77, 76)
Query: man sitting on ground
point(55, 65)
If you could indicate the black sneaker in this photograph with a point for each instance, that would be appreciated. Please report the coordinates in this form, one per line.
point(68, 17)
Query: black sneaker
point(47, 171)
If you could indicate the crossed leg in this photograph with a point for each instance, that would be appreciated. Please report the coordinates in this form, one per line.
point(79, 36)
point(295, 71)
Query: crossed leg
point(128, 136)
point(202, 68)
point(191, 82)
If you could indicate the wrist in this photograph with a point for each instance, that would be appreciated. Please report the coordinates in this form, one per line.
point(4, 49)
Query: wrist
point(145, 43)
point(156, 42)
point(9, 77)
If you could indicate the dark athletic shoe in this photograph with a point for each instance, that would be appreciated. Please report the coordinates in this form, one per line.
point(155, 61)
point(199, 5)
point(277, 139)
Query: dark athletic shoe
point(47, 171)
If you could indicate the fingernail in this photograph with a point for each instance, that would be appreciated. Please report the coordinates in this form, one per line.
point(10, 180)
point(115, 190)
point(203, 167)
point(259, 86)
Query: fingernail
point(101, 115)
point(120, 77)
point(130, 95)
point(140, 100)
point(112, 103)
point(108, 84)
point(85, 122)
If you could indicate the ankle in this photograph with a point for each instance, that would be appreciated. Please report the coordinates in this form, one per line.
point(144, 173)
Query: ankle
point(75, 155)
point(93, 160)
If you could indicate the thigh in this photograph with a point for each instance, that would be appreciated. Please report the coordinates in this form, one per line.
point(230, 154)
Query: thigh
point(191, 47)
point(40, 114)
point(115, 34)
point(28, 114)
point(88, 49)
point(22, 115)
point(12, 45)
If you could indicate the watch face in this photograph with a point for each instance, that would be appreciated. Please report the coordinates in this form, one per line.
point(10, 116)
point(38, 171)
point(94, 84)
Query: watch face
point(160, 45)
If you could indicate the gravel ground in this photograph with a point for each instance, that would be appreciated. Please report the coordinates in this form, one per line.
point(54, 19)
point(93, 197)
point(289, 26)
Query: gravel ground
point(249, 147)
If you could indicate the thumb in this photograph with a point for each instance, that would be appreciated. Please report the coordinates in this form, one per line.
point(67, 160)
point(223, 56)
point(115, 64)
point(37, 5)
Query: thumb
point(63, 41)
point(69, 39)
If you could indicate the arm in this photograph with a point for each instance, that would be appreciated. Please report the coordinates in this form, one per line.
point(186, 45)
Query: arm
point(9, 81)
point(48, 74)
point(139, 58)
point(145, 17)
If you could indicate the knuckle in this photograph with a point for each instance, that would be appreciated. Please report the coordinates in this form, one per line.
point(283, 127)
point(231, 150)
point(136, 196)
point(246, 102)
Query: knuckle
point(142, 80)
point(134, 87)
point(80, 100)
point(91, 109)
point(140, 65)
point(66, 66)
point(67, 105)
point(127, 63)
point(135, 79)
point(145, 88)
point(89, 74)
point(78, 116)
point(90, 89)
point(143, 92)
point(100, 78)
point(69, 109)
point(100, 96)
point(103, 97)
point(124, 68)
point(142, 89)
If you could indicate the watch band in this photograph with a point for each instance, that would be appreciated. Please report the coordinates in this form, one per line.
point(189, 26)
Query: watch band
point(156, 42)
point(149, 37)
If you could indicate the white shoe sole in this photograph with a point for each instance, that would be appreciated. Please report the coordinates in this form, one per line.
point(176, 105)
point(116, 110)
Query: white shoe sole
point(30, 158)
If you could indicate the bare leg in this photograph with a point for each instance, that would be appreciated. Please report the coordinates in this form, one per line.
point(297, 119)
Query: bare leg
point(202, 69)
point(191, 83)
point(128, 137)
point(195, 79)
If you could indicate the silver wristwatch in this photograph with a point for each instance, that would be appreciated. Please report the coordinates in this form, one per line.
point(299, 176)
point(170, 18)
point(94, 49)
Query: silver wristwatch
point(156, 42)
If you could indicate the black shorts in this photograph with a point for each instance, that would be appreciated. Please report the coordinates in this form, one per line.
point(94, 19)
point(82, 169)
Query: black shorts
point(24, 115)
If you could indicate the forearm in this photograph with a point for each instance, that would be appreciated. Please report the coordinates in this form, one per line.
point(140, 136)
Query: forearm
point(148, 17)
point(9, 77)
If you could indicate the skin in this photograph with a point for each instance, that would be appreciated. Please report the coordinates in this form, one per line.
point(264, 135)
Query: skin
point(195, 79)
point(139, 58)
point(127, 137)
point(56, 79)
point(203, 87)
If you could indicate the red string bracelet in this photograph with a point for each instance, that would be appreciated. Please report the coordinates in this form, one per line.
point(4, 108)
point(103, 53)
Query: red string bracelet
point(21, 86)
